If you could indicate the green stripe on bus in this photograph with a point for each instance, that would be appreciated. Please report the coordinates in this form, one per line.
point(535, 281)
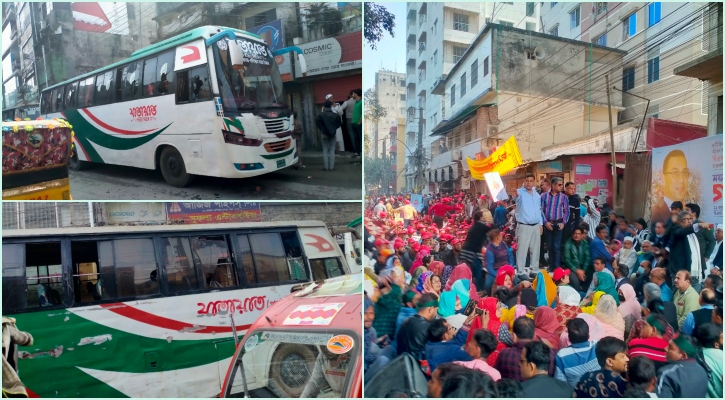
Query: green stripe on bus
point(86, 130)
point(278, 155)
point(49, 367)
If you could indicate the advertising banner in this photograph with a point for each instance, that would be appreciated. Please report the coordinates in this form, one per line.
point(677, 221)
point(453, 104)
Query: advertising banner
point(142, 213)
point(211, 213)
point(504, 159)
point(416, 200)
point(496, 186)
point(325, 56)
point(690, 172)
point(271, 33)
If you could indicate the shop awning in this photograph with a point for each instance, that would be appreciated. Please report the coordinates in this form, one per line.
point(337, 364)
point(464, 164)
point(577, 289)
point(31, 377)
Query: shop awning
point(456, 120)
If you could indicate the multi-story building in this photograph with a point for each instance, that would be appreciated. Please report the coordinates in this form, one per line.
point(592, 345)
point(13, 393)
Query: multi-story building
point(437, 36)
point(390, 87)
point(658, 37)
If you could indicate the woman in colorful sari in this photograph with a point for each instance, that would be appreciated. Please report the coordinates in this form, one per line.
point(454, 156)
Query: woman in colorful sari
point(526, 307)
point(595, 300)
point(605, 283)
point(629, 307)
point(421, 281)
point(461, 271)
point(492, 311)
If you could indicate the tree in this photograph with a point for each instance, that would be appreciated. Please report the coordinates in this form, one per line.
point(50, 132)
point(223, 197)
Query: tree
point(376, 171)
point(377, 21)
point(374, 112)
point(323, 19)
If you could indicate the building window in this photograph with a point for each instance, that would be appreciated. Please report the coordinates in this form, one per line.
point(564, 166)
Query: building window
point(531, 26)
point(506, 23)
point(600, 8)
point(463, 84)
point(453, 95)
point(705, 97)
point(628, 78)
point(655, 13)
point(474, 73)
point(530, 8)
point(402, 97)
point(554, 31)
point(435, 58)
point(653, 69)
point(575, 17)
point(485, 66)
point(553, 3)
point(460, 22)
point(434, 28)
point(629, 27)
point(601, 39)
point(458, 53)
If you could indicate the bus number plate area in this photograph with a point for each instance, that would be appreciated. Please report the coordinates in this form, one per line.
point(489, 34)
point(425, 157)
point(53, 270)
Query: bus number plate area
point(281, 163)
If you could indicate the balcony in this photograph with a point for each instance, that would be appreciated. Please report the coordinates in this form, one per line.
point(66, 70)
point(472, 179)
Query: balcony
point(421, 47)
point(410, 84)
point(439, 86)
point(421, 75)
point(421, 20)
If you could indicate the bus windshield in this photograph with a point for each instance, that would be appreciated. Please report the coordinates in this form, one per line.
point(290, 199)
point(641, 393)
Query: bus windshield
point(257, 86)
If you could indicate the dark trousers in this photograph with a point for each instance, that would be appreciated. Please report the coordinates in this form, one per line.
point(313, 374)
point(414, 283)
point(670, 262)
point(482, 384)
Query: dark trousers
point(355, 137)
point(581, 286)
point(477, 272)
point(553, 245)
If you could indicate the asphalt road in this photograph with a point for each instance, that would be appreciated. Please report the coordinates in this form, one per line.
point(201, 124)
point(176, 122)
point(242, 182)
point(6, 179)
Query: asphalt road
point(112, 182)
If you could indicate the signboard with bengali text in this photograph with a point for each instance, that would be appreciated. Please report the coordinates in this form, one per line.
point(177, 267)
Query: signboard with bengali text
point(215, 212)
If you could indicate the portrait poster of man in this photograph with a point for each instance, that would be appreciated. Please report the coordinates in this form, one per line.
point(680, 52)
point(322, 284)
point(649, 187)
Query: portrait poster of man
point(689, 172)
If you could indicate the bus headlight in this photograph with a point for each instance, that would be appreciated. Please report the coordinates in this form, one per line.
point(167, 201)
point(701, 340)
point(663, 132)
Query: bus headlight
point(239, 139)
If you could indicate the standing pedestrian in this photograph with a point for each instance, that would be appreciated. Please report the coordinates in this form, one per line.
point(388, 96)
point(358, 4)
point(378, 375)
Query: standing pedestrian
point(529, 228)
point(349, 108)
point(328, 122)
point(574, 210)
point(555, 211)
point(335, 107)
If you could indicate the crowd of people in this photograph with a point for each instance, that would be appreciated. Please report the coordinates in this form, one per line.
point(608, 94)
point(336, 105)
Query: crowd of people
point(544, 294)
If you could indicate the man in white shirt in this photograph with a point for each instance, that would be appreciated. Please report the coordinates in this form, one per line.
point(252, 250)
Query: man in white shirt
point(715, 258)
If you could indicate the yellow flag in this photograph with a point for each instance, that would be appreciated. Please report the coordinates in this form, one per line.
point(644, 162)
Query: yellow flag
point(504, 159)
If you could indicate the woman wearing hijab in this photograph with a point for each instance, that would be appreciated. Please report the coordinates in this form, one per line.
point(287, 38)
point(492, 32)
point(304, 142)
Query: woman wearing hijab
point(436, 267)
point(415, 275)
point(545, 288)
point(592, 218)
point(654, 306)
point(651, 344)
point(567, 307)
point(432, 284)
point(418, 262)
point(461, 271)
point(629, 306)
point(504, 289)
point(547, 327)
point(606, 312)
point(595, 300)
point(465, 290)
point(605, 283)
point(449, 304)
point(492, 311)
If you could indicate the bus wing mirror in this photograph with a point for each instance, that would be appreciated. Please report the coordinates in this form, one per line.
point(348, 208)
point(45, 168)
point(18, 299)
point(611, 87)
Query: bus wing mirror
point(303, 64)
point(236, 55)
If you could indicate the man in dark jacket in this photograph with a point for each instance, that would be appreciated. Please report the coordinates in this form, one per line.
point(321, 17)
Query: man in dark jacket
point(328, 122)
point(535, 359)
point(705, 237)
point(471, 249)
point(574, 210)
point(683, 376)
point(680, 250)
point(413, 334)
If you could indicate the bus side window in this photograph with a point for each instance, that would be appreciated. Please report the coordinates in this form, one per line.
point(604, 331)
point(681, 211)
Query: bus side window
point(57, 100)
point(165, 74)
point(45, 102)
point(85, 97)
point(131, 81)
point(199, 87)
point(70, 96)
point(134, 264)
point(182, 87)
point(211, 254)
point(179, 265)
point(109, 87)
point(100, 98)
point(149, 77)
point(118, 85)
point(14, 285)
point(270, 259)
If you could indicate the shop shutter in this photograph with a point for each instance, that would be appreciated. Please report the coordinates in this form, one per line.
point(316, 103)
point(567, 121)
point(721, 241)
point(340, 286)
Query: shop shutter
point(339, 87)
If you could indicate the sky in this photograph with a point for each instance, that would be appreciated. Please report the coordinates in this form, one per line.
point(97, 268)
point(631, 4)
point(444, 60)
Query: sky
point(390, 52)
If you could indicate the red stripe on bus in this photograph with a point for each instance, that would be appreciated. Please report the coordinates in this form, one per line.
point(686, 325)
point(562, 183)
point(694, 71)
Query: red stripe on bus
point(166, 323)
point(78, 144)
point(110, 128)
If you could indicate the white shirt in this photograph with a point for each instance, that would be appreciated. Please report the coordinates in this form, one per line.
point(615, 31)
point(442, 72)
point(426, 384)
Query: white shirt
point(711, 257)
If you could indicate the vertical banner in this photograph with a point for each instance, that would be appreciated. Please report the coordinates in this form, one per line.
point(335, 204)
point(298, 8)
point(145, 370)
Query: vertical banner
point(504, 159)
point(496, 186)
point(210, 213)
point(416, 200)
point(272, 34)
point(690, 172)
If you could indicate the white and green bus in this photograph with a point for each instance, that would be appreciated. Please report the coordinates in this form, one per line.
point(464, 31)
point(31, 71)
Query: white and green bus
point(150, 311)
point(206, 102)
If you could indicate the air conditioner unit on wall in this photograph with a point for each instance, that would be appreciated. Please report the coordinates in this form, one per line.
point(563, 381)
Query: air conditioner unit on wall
point(492, 130)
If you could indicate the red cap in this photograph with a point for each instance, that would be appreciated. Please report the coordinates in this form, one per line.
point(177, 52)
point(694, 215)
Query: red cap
point(411, 241)
point(398, 243)
point(415, 246)
point(383, 214)
point(456, 240)
point(411, 230)
point(560, 273)
point(381, 242)
point(406, 201)
point(426, 235)
point(483, 196)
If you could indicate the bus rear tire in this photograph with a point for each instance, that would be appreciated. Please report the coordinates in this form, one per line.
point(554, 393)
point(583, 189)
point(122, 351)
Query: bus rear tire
point(173, 168)
point(75, 164)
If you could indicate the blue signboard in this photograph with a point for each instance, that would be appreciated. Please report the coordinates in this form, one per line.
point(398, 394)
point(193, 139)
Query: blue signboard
point(272, 33)
point(416, 200)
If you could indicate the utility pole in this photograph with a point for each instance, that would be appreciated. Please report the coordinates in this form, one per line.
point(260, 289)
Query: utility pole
point(611, 143)
point(644, 117)
point(419, 175)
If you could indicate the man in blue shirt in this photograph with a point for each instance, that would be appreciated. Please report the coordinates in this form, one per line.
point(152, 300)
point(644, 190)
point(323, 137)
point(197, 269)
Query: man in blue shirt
point(573, 361)
point(598, 249)
point(658, 277)
point(530, 225)
point(701, 316)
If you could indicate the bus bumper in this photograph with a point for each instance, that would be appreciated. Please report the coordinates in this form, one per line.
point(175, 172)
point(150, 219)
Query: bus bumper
point(266, 163)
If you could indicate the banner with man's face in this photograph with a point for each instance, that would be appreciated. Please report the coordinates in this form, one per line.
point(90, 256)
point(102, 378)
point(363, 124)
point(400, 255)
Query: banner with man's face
point(689, 172)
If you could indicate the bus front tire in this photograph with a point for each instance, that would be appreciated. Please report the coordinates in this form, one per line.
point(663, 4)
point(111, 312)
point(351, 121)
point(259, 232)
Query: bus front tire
point(75, 164)
point(173, 168)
